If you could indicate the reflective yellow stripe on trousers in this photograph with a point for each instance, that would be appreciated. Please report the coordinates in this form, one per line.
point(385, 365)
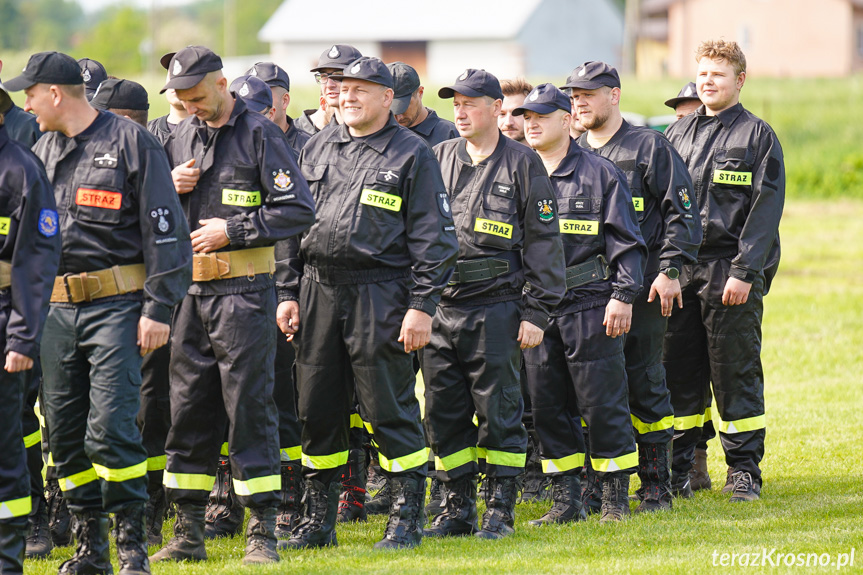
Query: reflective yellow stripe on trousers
point(691, 421)
point(505, 458)
point(325, 461)
point(77, 479)
point(16, 507)
point(563, 464)
point(405, 462)
point(189, 481)
point(124, 474)
point(615, 464)
point(258, 484)
point(157, 463)
point(457, 459)
point(661, 425)
point(741, 425)
point(291, 453)
point(32, 439)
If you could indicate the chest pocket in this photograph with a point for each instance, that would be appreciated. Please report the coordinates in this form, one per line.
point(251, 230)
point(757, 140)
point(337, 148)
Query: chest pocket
point(496, 224)
point(98, 197)
point(240, 187)
point(634, 179)
point(313, 175)
point(380, 197)
point(732, 170)
point(580, 220)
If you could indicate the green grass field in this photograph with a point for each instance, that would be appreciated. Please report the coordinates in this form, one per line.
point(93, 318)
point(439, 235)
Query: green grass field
point(813, 488)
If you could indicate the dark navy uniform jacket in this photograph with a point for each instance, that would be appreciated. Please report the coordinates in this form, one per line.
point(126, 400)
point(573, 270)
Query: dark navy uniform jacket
point(160, 128)
point(118, 207)
point(29, 241)
point(661, 191)
point(435, 129)
point(22, 126)
point(597, 217)
point(382, 213)
point(504, 206)
point(296, 137)
point(738, 170)
point(249, 178)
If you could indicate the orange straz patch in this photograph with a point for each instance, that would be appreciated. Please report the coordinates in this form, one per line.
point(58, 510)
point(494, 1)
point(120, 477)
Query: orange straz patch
point(99, 198)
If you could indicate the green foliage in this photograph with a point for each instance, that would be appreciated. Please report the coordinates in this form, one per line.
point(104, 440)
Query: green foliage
point(38, 25)
point(115, 41)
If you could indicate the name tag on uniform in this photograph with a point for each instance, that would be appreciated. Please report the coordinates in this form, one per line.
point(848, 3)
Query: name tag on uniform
point(4, 226)
point(240, 198)
point(494, 228)
point(732, 178)
point(638, 203)
point(383, 200)
point(98, 198)
point(581, 227)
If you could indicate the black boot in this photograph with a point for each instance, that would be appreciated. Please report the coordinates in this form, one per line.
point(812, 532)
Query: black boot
point(225, 513)
point(132, 540)
point(92, 556)
point(318, 527)
point(290, 509)
point(157, 506)
point(12, 547)
point(261, 538)
point(681, 486)
point(699, 477)
point(382, 501)
point(59, 517)
point(654, 470)
point(499, 518)
point(591, 495)
point(352, 506)
point(615, 497)
point(405, 525)
point(437, 497)
point(459, 514)
point(187, 544)
point(567, 507)
point(39, 544)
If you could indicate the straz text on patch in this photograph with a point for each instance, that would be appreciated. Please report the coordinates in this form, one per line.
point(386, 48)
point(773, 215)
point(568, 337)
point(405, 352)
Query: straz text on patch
point(383, 200)
point(494, 228)
point(98, 198)
point(732, 178)
point(581, 227)
point(240, 198)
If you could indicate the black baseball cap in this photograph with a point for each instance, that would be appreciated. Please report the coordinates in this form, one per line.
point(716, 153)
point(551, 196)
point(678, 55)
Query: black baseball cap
point(94, 73)
point(544, 99)
point(271, 74)
point(687, 93)
point(254, 92)
point(47, 68)
point(117, 94)
point(189, 66)
point(593, 75)
point(368, 69)
point(406, 81)
point(338, 57)
point(473, 84)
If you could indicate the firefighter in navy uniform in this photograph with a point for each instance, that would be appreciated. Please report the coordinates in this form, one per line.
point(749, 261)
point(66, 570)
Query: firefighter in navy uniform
point(578, 371)
point(280, 85)
point(20, 126)
point(332, 61)
point(125, 262)
point(241, 192)
point(409, 110)
point(29, 255)
point(368, 277)
point(505, 215)
point(737, 164)
point(660, 186)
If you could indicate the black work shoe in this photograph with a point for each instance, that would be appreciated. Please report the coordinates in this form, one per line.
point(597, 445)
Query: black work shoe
point(567, 506)
point(318, 527)
point(92, 555)
point(59, 517)
point(352, 503)
point(699, 478)
point(654, 470)
point(405, 525)
point(615, 503)
point(681, 486)
point(187, 544)
point(381, 502)
point(12, 547)
point(157, 506)
point(437, 497)
point(261, 538)
point(132, 540)
point(729, 481)
point(744, 488)
point(225, 514)
point(591, 494)
point(459, 514)
point(290, 509)
point(38, 543)
point(498, 521)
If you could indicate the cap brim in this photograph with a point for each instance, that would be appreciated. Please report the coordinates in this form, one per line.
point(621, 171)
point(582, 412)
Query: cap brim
point(451, 91)
point(165, 60)
point(278, 84)
point(672, 103)
point(19, 83)
point(585, 85)
point(400, 105)
point(183, 82)
point(538, 108)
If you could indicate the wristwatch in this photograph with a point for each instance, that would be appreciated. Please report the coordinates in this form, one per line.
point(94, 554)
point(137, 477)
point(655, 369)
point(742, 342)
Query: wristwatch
point(672, 272)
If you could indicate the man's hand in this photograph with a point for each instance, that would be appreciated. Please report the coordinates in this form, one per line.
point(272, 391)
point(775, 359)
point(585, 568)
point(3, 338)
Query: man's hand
point(288, 318)
point(211, 236)
point(668, 290)
point(185, 177)
point(618, 318)
point(736, 292)
point(529, 335)
point(16, 362)
point(416, 330)
point(152, 334)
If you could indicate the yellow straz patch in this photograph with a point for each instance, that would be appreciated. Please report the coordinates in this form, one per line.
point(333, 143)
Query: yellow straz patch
point(381, 200)
point(732, 178)
point(582, 227)
point(4, 226)
point(494, 228)
point(638, 203)
point(240, 198)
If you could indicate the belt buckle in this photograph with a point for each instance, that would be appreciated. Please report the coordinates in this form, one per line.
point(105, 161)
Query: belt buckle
point(604, 268)
point(207, 267)
point(66, 277)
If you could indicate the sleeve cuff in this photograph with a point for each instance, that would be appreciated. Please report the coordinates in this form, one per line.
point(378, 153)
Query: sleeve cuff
point(287, 295)
point(156, 312)
point(234, 230)
point(742, 274)
point(423, 304)
point(674, 262)
point(28, 348)
point(535, 316)
point(624, 296)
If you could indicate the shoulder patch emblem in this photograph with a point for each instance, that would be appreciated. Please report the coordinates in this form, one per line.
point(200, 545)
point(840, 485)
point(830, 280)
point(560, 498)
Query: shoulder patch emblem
point(48, 223)
point(105, 160)
point(282, 180)
point(443, 204)
point(545, 211)
point(162, 220)
point(683, 194)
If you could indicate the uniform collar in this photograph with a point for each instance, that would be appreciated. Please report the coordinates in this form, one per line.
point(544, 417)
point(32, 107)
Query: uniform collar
point(377, 141)
point(570, 160)
point(726, 117)
point(101, 118)
point(461, 150)
point(239, 108)
point(426, 126)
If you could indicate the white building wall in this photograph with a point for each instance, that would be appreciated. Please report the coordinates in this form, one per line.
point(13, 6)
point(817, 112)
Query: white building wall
point(448, 59)
point(297, 58)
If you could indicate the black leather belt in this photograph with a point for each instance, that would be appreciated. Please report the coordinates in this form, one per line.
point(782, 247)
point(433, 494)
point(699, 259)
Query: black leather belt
point(470, 271)
point(590, 271)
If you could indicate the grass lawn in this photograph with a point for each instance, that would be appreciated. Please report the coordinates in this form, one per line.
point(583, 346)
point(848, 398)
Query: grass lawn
point(813, 492)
